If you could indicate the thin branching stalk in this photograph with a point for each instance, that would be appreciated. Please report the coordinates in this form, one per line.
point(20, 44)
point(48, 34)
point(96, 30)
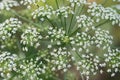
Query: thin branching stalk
point(25, 19)
point(75, 25)
point(71, 19)
point(51, 22)
point(60, 13)
point(102, 23)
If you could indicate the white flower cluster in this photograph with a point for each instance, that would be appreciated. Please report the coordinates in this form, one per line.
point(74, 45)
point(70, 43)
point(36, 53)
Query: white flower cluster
point(81, 42)
point(78, 2)
point(31, 69)
point(102, 39)
point(7, 4)
point(112, 58)
point(57, 37)
point(84, 21)
point(48, 11)
point(63, 11)
point(9, 28)
point(89, 64)
point(7, 64)
point(42, 12)
point(30, 37)
point(61, 59)
point(100, 12)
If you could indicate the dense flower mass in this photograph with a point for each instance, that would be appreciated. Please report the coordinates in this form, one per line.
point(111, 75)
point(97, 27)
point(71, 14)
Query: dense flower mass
point(30, 69)
point(57, 37)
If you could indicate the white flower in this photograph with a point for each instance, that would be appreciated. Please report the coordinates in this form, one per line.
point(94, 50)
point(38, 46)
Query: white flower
point(113, 74)
point(49, 46)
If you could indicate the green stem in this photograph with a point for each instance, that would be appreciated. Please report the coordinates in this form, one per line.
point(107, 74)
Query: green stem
point(57, 4)
point(76, 52)
point(95, 26)
point(21, 59)
point(74, 31)
point(50, 21)
point(20, 49)
point(70, 23)
point(71, 20)
point(65, 24)
point(82, 77)
point(25, 19)
point(104, 22)
point(60, 13)
point(80, 11)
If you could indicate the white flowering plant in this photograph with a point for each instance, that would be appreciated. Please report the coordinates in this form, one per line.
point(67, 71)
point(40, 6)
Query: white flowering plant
point(44, 39)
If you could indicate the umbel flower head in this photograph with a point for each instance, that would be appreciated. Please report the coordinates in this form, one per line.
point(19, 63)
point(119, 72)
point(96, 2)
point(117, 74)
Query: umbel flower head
point(56, 37)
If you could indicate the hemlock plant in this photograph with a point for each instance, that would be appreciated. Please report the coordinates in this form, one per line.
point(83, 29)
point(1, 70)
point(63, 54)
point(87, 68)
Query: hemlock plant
point(58, 35)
